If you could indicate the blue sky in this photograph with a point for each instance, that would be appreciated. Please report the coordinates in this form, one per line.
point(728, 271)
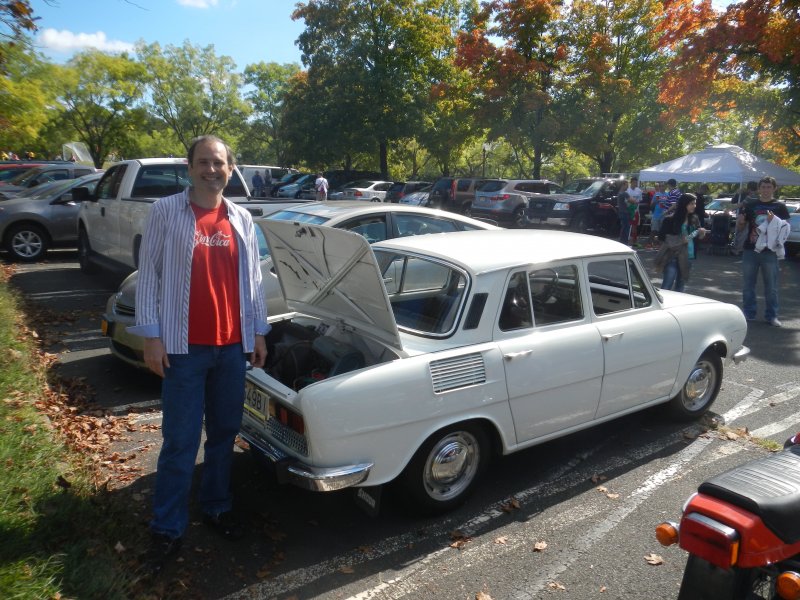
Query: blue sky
point(249, 31)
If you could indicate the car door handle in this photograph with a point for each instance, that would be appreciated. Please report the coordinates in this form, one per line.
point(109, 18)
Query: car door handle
point(607, 337)
point(513, 355)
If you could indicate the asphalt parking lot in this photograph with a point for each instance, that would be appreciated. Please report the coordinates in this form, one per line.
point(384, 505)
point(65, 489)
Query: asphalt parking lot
point(307, 545)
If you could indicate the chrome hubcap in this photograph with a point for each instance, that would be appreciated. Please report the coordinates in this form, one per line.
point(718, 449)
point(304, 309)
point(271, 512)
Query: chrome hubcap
point(451, 465)
point(27, 244)
point(699, 386)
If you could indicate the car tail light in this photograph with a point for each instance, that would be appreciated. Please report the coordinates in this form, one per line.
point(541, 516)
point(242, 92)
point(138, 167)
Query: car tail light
point(287, 417)
point(667, 533)
point(710, 540)
point(787, 586)
point(500, 197)
point(357, 194)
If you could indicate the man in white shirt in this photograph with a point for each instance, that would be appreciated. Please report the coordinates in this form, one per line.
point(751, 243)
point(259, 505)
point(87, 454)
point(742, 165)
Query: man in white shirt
point(321, 184)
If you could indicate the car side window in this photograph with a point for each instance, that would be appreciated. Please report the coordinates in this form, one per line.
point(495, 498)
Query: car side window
point(382, 187)
point(617, 285)
point(516, 310)
point(373, 228)
point(463, 185)
point(158, 181)
point(524, 186)
point(108, 186)
point(555, 295)
point(411, 224)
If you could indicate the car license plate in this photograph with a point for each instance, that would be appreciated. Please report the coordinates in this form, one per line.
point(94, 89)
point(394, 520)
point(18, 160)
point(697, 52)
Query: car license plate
point(256, 402)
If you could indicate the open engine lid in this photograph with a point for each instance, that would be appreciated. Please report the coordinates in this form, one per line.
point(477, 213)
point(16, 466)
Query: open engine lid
point(332, 274)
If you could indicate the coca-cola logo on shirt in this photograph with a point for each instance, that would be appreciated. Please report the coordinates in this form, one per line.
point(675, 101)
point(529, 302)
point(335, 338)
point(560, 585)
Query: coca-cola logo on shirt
point(217, 239)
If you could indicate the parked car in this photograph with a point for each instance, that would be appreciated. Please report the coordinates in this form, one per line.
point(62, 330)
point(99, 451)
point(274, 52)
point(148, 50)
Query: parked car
point(292, 190)
point(376, 222)
point(365, 189)
point(506, 200)
point(277, 173)
point(454, 193)
point(413, 363)
point(591, 207)
point(10, 169)
point(418, 198)
point(399, 189)
point(721, 206)
point(43, 174)
point(792, 244)
point(45, 217)
point(285, 180)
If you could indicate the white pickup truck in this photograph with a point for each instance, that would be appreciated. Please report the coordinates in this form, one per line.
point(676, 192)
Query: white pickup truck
point(111, 220)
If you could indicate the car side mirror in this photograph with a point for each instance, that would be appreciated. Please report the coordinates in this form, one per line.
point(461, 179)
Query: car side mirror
point(82, 194)
point(65, 198)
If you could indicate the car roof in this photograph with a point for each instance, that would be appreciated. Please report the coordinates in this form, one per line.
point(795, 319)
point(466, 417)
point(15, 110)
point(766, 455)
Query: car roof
point(509, 247)
point(334, 209)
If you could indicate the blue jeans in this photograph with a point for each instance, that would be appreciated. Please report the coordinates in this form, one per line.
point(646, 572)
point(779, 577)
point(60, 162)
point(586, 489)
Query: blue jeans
point(672, 279)
point(767, 262)
point(624, 227)
point(208, 380)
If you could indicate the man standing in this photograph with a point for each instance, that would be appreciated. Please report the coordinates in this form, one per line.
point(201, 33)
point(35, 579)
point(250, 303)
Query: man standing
point(753, 214)
point(258, 185)
point(624, 204)
point(321, 185)
point(200, 308)
point(673, 195)
point(635, 193)
point(267, 182)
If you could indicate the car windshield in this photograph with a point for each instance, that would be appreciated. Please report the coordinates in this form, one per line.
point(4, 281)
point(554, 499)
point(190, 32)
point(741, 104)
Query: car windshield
point(25, 176)
point(361, 183)
point(426, 295)
point(298, 217)
point(591, 190)
point(577, 186)
point(53, 188)
point(718, 205)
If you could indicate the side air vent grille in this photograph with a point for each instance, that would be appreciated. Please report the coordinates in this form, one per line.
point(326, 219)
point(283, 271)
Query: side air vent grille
point(457, 372)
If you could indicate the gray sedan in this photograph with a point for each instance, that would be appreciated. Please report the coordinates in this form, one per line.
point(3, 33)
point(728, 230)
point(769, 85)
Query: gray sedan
point(43, 218)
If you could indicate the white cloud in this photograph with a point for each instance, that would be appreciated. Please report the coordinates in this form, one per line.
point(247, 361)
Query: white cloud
point(66, 41)
point(198, 3)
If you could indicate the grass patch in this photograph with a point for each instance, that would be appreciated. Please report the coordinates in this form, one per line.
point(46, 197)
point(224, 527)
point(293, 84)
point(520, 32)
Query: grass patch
point(58, 530)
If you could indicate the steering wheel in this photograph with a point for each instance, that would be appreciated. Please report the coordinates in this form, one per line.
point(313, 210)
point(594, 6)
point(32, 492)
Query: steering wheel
point(543, 285)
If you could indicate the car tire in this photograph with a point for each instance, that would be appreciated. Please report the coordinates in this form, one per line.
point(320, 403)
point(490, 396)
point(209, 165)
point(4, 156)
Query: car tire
point(444, 471)
point(85, 253)
point(580, 222)
point(518, 218)
point(27, 243)
point(376, 200)
point(466, 209)
point(700, 389)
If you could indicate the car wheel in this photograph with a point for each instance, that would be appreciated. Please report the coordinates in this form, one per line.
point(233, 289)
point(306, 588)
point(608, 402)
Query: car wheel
point(27, 243)
point(518, 217)
point(444, 470)
point(466, 210)
point(85, 253)
point(700, 389)
point(375, 200)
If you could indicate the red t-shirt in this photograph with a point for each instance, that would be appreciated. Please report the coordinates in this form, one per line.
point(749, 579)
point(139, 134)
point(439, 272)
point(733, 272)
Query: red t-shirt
point(214, 291)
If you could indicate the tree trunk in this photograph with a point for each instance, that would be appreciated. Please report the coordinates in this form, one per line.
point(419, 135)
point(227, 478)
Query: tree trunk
point(384, 159)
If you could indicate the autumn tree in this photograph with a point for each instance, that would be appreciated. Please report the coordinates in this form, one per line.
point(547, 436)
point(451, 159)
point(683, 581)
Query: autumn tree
point(752, 41)
point(99, 93)
point(614, 69)
point(194, 91)
point(16, 19)
point(519, 75)
point(372, 61)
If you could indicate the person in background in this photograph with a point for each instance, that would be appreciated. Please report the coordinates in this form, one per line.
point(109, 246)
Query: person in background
point(678, 231)
point(258, 185)
point(200, 307)
point(748, 195)
point(764, 210)
point(321, 185)
point(658, 203)
point(703, 198)
point(635, 193)
point(673, 194)
point(624, 203)
point(267, 182)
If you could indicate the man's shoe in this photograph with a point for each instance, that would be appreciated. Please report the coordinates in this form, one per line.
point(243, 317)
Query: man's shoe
point(775, 322)
point(225, 525)
point(162, 549)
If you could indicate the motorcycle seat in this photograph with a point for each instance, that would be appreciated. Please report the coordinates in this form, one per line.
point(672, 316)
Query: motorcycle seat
point(768, 487)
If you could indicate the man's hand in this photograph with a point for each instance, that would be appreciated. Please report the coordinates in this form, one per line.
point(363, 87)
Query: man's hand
point(155, 357)
point(259, 354)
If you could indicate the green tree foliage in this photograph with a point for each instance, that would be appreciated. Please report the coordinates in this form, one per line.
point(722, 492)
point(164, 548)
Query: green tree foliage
point(99, 95)
point(16, 18)
point(370, 63)
point(268, 83)
point(194, 91)
point(26, 93)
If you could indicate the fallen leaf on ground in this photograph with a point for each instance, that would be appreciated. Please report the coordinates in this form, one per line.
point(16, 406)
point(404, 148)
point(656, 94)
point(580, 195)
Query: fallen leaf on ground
point(540, 546)
point(612, 496)
point(598, 478)
point(654, 559)
point(482, 596)
point(555, 585)
point(602, 489)
point(346, 569)
point(501, 540)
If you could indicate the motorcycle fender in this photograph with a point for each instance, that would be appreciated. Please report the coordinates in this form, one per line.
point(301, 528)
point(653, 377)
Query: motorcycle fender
point(704, 581)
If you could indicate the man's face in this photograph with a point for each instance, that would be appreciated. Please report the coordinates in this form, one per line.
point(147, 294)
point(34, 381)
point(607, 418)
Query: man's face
point(766, 190)
point(210, 171)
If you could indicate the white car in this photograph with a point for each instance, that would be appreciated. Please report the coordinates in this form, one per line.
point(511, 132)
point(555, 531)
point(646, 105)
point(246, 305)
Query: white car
point(376, 222)
point(412, 361)
point(364, 189)
point(793, 242)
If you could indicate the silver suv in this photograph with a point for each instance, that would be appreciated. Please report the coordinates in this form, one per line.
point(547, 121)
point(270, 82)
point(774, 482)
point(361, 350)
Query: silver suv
point(506, 200)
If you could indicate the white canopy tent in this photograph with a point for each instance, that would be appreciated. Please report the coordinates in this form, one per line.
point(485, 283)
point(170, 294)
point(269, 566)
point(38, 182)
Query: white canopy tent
point(722, 163)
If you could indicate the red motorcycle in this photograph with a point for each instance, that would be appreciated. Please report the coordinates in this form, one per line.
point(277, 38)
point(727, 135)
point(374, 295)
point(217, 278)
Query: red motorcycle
point(742, 532)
